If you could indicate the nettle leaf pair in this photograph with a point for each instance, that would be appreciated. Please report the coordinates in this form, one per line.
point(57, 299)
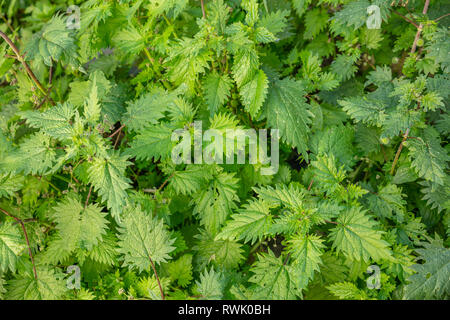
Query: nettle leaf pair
point(55, 42)
point(398, 105)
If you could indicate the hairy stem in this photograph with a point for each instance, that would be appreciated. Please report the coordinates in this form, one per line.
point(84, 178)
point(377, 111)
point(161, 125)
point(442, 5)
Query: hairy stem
point(310, 184)
point(255, 246)
point(413, 49)
point(157, 278)
point(9, 26)
point(419, 29)
point(25, 65)
point(406, 19)
point(287, 258)
point(117, 138)
point(203, 9)
point(165, 182)
point(117, 131)
point(26, 239)
point(170, 24)
point(441, 17)
point(399, 150)
point(88, 197)
point(50, 77)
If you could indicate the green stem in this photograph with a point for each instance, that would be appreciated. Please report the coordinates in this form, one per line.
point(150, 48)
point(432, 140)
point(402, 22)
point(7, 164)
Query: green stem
point(255, 247)
point(156, 69)
point(399, 150)
point(171, 25)
point(62, 178)
point(54, 187)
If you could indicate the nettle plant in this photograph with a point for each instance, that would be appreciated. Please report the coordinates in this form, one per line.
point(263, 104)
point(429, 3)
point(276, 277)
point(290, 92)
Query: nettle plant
point(359, 208)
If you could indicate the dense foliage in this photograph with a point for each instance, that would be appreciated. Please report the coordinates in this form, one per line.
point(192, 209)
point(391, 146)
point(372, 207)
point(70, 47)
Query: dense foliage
point(86, 175)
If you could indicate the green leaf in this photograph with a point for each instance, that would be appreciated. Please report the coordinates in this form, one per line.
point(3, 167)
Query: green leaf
point(274, 21)
point(34, 155)
point(130, 41)
point(54, 121)
point(353, 14)
point(387, 201)
point(187, 61)
point(172, 7)
point(315, 21)
point(107, 175)
point(365, 110)
point(326, 174)
point(149, 287)
point(432, 101)
point(110, 96)
point(347, 290)
point(344, 66)
point(263, 35)
point(2, 287)
point(306, 251)
point(367, 139)
point(221, 253)
point(437, 196)
point(438, 48)
point(92, 107)
point(431, 279)
point(288, 112)
point(54, 42)
point(9, 184)
point(217, 90)
point(85, 226)
point(79, 227)
point(333, 269)
point(105, 252)
point(246, 63)
point(288, 196)
point(46, 287)
point(301, 6)
point(336, 141)
point(273, 279)
point(371, 38)
point(254, 92)
point(218, 14)
point(428, 158)
point(155, 141)
point(211, 285)
point(12, 245)
point(190, 180)
point(148, 109)
point(180, 270)
point(251, 6)
point(143, 240)
point(214, 203)
point(379, 76)
point(251, 223)
point(357, 236)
